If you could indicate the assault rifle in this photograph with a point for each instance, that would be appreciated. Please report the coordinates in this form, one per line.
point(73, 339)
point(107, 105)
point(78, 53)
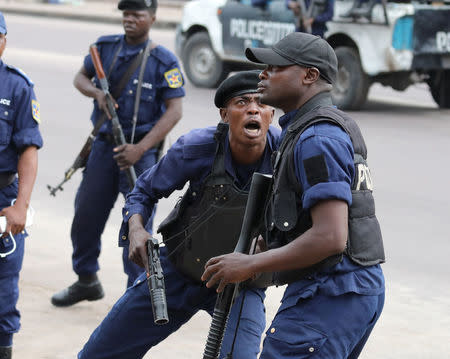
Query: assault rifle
point(80, 161)
point(254, 210)
point(155, 280)
point(119, 138)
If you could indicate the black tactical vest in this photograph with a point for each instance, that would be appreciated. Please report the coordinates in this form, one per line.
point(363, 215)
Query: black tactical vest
point(285, 217)
point(206, 223)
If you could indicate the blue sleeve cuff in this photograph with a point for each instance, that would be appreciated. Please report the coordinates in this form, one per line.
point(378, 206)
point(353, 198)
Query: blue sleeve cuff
point(326, 191)
point(127, 213)
point(172, 93)
point(26, 137)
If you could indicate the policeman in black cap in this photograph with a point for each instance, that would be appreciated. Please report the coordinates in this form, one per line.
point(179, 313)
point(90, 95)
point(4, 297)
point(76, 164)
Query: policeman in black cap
point(323, 237)
point(20, 139)
point(218, 162)
point(147, 85)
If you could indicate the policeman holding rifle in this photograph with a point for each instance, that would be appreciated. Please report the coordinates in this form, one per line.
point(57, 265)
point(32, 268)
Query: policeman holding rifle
point(218, 162)
point(20, 140)
point(323, 237)
point(146, 85)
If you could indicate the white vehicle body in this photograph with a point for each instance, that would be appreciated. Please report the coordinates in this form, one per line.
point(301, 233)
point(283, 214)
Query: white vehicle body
point(397, 47)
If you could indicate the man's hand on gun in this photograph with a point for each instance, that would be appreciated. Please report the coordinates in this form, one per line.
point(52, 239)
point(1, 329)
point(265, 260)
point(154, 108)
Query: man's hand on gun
point(102, 102)
point(138, 247)
point(127, 155)
point(229, 268)
point(16, 217)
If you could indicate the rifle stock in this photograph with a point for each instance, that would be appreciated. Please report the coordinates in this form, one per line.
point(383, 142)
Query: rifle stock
point(79, 162)
point(254, 210)
point(119, 138)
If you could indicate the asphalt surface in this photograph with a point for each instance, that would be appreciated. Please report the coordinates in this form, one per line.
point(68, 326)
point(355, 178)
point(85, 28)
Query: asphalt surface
point(168, 14)
point(407, 138)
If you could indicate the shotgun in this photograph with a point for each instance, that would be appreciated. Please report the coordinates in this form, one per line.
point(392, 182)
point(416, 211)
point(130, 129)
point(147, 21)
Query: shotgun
point(254, 211)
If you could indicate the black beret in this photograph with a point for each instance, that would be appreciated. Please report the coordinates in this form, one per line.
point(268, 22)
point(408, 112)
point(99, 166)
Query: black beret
point(241, 83)
point(137, 4)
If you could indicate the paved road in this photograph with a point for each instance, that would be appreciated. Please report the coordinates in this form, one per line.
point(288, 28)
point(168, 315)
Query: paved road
point(408, 141)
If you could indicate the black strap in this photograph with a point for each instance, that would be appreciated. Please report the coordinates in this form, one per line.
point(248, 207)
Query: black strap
point(137, 99)
point(121, 85)
point(127, 75)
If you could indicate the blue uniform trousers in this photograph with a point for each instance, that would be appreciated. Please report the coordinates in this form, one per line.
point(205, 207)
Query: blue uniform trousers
point(322, 326)
point(128, 331)
point(9, 275)
point(102, 181)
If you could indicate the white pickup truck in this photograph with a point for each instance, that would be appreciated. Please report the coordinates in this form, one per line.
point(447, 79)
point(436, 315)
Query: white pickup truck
point(402, 44)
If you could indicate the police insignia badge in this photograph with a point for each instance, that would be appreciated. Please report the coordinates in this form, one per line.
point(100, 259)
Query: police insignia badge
point(35, 111)
point(173, 78)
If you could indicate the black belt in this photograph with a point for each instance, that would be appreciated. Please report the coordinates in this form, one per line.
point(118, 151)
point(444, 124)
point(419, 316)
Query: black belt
point(6, 179)
point(108, 137)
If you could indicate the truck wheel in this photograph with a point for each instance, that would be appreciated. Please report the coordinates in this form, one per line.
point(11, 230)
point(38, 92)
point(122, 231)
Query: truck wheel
point(201, 64)
point(439, 84)
point(352, 84)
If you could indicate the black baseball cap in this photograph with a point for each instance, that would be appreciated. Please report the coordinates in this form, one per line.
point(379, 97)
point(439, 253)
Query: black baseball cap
point(299, 48)
point(239, 84)
point(137, 4)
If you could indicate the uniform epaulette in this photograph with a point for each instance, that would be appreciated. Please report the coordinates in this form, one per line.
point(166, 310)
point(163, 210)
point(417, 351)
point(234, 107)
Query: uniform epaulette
point(164, 55)
point(108, 38)
point(21, 73)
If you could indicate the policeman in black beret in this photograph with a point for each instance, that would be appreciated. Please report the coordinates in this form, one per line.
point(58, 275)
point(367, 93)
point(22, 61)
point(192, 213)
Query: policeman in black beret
point(323, 236)
point(218, 163)
point(147, 84)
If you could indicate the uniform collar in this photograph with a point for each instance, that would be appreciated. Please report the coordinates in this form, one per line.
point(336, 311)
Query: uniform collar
point(321, 99)
point(131, 50)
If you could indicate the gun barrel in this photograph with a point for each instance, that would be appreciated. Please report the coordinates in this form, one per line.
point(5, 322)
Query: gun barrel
point(156, 285)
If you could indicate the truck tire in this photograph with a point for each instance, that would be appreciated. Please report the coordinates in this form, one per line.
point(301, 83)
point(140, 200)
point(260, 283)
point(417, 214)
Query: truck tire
point(352, 84)
point(201, 64)
point(439, 84)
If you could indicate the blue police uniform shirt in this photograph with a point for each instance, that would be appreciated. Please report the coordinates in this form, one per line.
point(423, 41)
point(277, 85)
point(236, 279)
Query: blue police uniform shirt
point(335, 145)
point(19, 117)
point(190, 159)
point(162, 80)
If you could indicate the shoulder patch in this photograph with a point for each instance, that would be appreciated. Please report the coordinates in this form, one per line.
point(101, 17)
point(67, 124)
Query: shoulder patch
point(174, 78)
point(21, 73)
point(36, 111)
point(316, 169)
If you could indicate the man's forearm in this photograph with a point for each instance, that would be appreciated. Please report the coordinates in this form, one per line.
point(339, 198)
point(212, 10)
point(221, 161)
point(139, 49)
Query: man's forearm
point(27, 170)
point(135, 222)
point(83, 83)
point(327, 237)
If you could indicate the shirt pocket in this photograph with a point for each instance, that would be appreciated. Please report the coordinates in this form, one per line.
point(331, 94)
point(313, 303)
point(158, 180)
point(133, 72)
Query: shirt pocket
point(6, 124)
point(293, 339)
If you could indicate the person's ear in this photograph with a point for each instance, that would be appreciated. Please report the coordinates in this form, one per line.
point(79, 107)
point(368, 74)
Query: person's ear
point(272, 115)
point(223, 114)
point(312, 75)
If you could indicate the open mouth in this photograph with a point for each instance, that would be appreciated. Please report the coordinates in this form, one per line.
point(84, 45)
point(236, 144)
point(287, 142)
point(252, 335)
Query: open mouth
point(252, 128)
